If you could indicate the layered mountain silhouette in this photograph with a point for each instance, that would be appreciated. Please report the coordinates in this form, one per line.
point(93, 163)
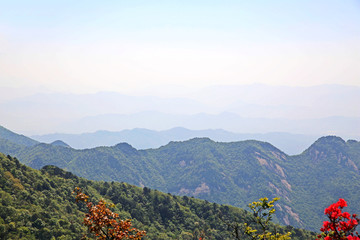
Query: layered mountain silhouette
point(256, 108)
point(232, 173)
point(141, 138)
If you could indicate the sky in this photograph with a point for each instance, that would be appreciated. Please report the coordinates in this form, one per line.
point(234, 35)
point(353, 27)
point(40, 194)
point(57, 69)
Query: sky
point(90, 46)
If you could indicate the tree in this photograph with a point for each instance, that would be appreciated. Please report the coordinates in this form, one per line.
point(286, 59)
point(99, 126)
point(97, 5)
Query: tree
point(263, 211)
point(341, 225)
point(262, 215)
point(105, 224)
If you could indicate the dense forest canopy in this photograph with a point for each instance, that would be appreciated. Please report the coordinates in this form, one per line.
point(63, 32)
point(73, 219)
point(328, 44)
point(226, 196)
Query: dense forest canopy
point(39, 204)
point(233, 173)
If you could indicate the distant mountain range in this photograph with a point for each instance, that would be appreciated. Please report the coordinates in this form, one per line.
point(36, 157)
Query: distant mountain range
point(144, 138)
point(346, 127)
point(233, 173)
point(317, 110)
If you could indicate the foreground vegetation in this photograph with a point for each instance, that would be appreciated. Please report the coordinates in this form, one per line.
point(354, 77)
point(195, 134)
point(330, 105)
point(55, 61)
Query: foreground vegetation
point(229, 173)
point(38, 204)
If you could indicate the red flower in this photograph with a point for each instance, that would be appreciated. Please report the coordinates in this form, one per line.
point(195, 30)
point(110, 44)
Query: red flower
point(337, 228)
point(342, 203)
point(346, 215)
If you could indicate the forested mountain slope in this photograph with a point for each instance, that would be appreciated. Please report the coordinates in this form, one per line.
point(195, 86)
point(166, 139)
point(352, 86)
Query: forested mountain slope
point(16, 138)
point(326, 171)
point(233, 173)
point(40, 205)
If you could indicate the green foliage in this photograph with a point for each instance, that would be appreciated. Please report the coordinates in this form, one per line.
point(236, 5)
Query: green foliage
point(45, 208)
point(263, 211)
point(228, 173)
point(32, 204)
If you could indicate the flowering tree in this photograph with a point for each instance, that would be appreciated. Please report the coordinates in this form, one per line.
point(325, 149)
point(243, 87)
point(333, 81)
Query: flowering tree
point(104, 223)
point(263, 211)
point(341, 225)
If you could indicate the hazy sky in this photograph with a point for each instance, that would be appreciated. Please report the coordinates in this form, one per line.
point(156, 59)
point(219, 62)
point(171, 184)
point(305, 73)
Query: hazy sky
point(89, 46)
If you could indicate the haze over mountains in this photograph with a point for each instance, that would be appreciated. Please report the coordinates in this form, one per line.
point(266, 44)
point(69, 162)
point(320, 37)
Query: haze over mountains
point(318, 110)
point(226, 101)
point(290, 118)
point(144, 138)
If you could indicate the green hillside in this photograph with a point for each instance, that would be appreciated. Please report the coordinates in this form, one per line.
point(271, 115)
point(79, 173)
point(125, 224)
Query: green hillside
point(228, 173)
point(13, 137)
point(326, 171)
point(39, 204)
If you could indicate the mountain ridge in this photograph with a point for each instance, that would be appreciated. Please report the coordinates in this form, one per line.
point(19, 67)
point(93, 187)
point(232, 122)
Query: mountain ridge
point(231, 173)
point(75, 112)
point(39, 204)
point(21, 139)
point(142, 138)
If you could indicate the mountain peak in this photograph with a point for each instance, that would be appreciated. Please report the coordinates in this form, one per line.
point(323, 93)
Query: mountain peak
point(60, 143)
point(126, 148)
point(327, 142)
point(331, 139)
point(201, 139)
point(329, 147)
point(197, 140)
